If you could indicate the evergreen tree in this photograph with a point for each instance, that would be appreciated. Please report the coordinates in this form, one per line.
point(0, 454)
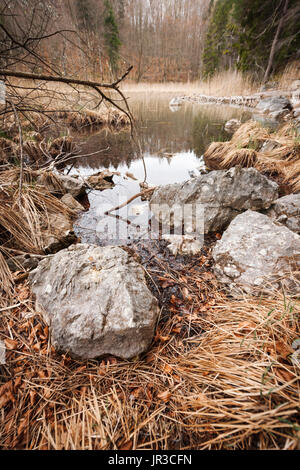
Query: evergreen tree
point(241, 34)
point(111, 36)
point(85, 16)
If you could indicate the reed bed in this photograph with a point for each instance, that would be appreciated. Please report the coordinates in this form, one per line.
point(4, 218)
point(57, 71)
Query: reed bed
point(219, 375)
point(289, 75)
point(24, 218)
point(246, 148)
point(86, 118)
point(226, 83)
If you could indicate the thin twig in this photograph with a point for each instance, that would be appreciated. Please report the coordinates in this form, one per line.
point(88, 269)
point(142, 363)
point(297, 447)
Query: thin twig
point(21, 152)
point(146, 191)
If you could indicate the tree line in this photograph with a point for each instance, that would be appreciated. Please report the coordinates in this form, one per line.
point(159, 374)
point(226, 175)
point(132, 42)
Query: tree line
point(165, 40)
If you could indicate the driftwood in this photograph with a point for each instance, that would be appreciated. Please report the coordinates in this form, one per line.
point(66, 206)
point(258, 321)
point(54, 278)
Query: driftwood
point(142, 193)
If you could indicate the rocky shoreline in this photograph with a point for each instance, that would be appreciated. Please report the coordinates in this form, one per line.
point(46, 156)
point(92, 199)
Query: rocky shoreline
point(276, 105)
point(96, 300)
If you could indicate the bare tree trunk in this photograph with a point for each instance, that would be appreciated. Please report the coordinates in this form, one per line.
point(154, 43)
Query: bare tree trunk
point(272, 52)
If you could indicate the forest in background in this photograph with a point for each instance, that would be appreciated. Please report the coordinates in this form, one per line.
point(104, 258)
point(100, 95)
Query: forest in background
point(164, 40)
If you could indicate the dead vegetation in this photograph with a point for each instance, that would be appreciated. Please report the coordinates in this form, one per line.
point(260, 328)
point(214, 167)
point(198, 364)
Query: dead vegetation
point(84, 119)
point(273, 153)
point(219, 375)
point(24, 218)
point(225, 83)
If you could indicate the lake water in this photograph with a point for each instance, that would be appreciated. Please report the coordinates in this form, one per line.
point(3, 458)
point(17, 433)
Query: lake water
point(172, 143)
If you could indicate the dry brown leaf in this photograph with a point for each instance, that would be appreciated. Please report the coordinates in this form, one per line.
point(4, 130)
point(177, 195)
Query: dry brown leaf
point(24, 293)
point(42, 374)
point(36, 347)
point(137, 393)
point(150, 358)
point(283, 349)
point(164, 339)
point(284, 374)
point(11, 344)
point(168, 369)
point(127, 446)
point(176, 330)
point(164, 396)
point(6, 398)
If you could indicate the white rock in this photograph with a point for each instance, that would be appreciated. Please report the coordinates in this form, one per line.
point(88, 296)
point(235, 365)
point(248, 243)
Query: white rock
point(221, 195)
point(257, 255)
point(183, 244)
point(286, 210)
point(99, 303)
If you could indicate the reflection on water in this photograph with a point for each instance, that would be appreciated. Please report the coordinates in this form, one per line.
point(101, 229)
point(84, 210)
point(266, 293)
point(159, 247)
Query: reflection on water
point(172, 144)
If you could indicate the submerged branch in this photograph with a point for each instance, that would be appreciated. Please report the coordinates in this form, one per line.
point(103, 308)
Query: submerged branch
point(142, 193)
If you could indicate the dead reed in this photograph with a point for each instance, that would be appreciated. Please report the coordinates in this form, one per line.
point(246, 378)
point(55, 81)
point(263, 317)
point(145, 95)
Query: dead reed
point(249, 148)
point(24, 220)
point(219, 375)
point(226, 83)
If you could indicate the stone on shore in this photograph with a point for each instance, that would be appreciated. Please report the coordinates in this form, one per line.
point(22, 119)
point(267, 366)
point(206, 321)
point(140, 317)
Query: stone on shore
point(222, 195)
point(276, 107)
point(96, 301)
point(286, 211)
point(257, 256)
point(71, 203)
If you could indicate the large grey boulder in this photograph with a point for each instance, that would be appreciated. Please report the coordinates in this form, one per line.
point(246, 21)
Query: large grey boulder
point(257, 255)
point(276, 106)
point(286, 211)
point(96, 302)
point(222, 195)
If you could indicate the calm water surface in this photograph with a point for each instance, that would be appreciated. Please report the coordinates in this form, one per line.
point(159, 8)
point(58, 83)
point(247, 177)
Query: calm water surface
point(172, 142)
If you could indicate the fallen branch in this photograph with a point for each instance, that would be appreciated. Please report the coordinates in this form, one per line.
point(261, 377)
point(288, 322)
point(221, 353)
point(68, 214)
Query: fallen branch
point(142, 193)
point(68, 80)
point(97, 86)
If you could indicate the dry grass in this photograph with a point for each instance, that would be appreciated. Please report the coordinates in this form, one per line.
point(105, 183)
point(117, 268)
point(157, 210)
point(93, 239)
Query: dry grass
point(6, 282)
point(47, 103)
point(25, 220)
point(248, 133)
point(227, 83)
point(245, 149)
point(8, 150)
point(290, 73)
point(227, 383)
point(86, 118)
